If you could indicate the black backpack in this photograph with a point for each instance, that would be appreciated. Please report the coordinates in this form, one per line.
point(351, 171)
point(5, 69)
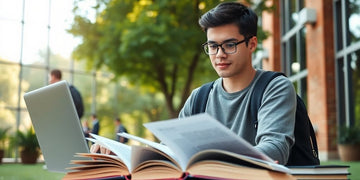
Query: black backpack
point(75, 94)
point(305, 150)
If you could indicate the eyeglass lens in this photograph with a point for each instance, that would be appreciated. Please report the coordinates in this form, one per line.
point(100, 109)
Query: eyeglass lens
point(227, 48)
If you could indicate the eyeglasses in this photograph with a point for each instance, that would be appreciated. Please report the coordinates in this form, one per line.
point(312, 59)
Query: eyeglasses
point(226, 47)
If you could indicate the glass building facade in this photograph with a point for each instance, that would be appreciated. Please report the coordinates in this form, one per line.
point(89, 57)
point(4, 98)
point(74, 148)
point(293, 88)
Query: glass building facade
point(33, 41)
point(319, 52)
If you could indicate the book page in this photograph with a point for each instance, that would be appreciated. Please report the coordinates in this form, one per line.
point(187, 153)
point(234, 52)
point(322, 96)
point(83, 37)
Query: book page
point(121, 150)
point(187, 136)
point(210, 169)
point(155, 145)
point(228, 158)
point(151, 155)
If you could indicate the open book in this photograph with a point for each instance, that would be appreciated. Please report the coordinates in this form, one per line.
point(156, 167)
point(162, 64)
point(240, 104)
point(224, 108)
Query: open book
point(197, 147)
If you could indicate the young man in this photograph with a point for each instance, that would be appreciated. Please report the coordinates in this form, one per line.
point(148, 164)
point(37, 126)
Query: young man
point(231, 39)
point(56, 76)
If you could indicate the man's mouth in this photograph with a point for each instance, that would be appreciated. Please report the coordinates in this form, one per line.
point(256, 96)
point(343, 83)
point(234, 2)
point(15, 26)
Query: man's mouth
point(222, 65)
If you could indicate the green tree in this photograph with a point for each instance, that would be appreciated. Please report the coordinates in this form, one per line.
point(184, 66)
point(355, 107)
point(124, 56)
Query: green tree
point(155, 43)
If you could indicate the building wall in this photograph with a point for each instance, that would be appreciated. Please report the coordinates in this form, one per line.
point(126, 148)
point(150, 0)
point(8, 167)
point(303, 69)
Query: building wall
point(271, 23)
point(321, 76)
point(321, 97)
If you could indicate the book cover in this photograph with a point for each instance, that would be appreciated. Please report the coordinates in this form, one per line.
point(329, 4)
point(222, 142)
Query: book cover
point(320, 169)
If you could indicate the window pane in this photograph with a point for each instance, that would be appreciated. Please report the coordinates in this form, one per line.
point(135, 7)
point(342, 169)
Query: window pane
point(7, 12)
point(33, 78)
point(7, 117)
point(293, 58)
point(340, 84)
point(61, 42)
point(10, 40)
point(84, 82)
point(37, 12)
point(293, 13)
point(10, 29)
point(338, 26)
point(59, 61)
point(8, 120)
point(302, 49)
point(355, 68)
point(354, 20)
point(25, 121)
point(290, 11)
point(35, 44)
point(10, 81)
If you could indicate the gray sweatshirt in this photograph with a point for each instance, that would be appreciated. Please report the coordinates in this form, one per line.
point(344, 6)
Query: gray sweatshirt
point(276, 116)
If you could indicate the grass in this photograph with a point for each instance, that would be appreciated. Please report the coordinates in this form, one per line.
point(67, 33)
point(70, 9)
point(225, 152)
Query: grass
point(18, 171)
point(354, 168)
point(36, 172)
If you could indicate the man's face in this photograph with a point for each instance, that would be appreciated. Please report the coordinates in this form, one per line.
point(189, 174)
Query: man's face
point(230, 65)
point(52, 79)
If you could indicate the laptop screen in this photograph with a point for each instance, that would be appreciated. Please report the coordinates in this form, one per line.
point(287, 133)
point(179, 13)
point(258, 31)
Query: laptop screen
point(57, 126)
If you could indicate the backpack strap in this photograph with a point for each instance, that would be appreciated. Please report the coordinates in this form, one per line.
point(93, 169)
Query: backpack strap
point(257, 94)
point(201, 98)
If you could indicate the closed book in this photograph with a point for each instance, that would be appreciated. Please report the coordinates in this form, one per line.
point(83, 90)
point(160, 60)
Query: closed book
point(320, 172)
point(319, 169)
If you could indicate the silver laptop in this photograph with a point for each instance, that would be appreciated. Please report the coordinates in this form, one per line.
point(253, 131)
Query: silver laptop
point(56, 123)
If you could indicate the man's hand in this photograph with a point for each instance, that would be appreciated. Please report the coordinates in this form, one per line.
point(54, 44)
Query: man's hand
point(97, 148)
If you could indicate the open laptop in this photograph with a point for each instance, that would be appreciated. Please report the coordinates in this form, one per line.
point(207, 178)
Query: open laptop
point(57, 125)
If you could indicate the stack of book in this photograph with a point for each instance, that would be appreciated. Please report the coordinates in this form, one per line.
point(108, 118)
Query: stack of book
point(320, 172)
point(197, 147)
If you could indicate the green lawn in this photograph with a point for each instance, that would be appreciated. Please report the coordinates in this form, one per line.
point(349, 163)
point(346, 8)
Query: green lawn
point(36, 172)
point(27, 172)
point(354, 168)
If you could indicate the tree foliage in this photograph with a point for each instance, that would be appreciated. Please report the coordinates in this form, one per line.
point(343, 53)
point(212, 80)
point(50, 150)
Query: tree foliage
point(156, 43)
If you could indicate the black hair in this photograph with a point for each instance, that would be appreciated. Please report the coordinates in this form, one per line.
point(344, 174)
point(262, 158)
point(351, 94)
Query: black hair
point(231, 13)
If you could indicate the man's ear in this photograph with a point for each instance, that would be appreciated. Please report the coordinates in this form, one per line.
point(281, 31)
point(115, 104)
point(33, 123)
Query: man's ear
point(252, 44)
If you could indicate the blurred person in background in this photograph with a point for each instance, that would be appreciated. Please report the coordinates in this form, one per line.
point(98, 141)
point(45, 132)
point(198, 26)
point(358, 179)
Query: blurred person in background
point(119, 128)
point(56, 76)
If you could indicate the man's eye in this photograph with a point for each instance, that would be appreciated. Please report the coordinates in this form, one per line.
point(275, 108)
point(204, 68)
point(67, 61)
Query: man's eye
point(229, 45)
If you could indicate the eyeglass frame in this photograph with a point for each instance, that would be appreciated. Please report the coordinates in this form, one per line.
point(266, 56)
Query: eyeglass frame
point(220, 45)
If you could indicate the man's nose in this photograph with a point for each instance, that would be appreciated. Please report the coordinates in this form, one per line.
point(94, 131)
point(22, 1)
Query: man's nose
point(221, 51)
